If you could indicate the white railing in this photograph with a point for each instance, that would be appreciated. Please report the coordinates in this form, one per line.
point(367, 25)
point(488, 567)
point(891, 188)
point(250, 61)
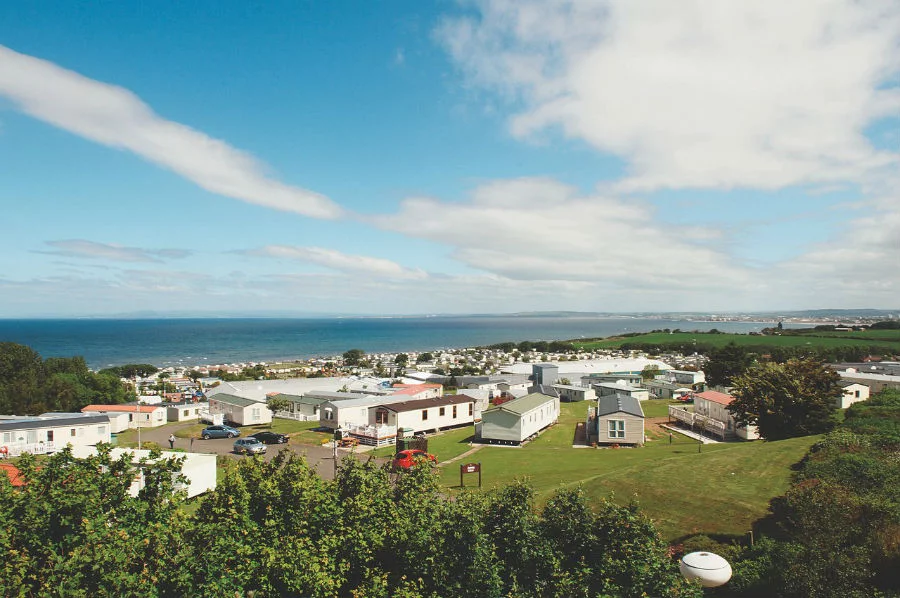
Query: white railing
point(700, 422)
point(374, 435)
point(35, 448)
point(296, 416)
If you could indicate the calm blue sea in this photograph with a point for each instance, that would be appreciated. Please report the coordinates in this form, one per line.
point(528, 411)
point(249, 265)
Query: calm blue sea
point(214, 341)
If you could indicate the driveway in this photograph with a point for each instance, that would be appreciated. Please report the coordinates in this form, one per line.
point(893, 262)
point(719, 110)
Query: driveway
point(319, 457)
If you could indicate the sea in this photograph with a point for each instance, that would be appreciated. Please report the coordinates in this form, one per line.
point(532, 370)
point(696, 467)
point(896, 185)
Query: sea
point(212, 341)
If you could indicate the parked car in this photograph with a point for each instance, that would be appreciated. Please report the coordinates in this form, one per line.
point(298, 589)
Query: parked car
point(270, 437)
point(219, 432)
point(249, 446)
point(410, 457)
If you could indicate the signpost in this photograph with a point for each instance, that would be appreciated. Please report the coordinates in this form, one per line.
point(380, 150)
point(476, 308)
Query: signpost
point(469, 468)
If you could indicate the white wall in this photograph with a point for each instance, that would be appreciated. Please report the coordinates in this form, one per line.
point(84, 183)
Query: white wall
point(539, 418)
point(46, 436)
point(198, 468)
point(853, 394)
point(413, 419)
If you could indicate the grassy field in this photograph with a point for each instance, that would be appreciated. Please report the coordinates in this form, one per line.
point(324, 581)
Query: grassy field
point(721, 490)
point(826, 340)
point(300, 432)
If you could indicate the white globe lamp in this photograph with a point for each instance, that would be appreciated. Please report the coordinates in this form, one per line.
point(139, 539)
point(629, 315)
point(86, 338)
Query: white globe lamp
point(709, 569)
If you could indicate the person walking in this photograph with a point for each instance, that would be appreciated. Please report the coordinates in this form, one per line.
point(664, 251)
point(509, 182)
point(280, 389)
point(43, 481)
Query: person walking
point(171, 441)
point(192, 444)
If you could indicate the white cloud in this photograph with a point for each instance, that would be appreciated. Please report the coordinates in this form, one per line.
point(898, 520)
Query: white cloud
point(542, 230)
point(117, 118)
point(701, 93)
point(336, 260)
point(82, 248)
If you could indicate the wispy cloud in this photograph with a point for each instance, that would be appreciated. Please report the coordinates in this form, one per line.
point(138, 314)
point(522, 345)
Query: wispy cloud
point(115, 117)
point(82, 248)
point(703, 93)
point(336, 260)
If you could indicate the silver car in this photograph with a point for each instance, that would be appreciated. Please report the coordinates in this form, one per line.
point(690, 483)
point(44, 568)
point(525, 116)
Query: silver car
point(249, 446)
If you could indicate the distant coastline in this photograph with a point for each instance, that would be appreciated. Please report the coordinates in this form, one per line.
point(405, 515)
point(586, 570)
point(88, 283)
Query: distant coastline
point(208, 341)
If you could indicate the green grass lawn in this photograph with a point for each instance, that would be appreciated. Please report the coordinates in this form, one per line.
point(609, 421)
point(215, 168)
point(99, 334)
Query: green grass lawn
point(825, 340)
point(683, 491)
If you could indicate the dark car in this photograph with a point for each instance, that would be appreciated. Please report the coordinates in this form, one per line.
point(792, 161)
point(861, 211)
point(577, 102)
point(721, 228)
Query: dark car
point(270, 437)
point(411, 457)
point(219, 432)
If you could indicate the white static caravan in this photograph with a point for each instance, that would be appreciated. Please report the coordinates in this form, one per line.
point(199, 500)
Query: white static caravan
point(353, 411)
point(47, 434)
point(713, 404)
point(854, 392)
point(240, 411)
point(198, 468)
point(448, 411)
point(570, 393)
point(515, 421)
point(181, 412)
point(145, 416)
point(620, 388)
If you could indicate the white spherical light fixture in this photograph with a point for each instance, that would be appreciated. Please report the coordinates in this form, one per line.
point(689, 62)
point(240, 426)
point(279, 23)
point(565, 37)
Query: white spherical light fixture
point(709, 569)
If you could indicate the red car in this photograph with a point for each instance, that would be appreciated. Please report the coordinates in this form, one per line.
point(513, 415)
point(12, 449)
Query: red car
point(406, 459)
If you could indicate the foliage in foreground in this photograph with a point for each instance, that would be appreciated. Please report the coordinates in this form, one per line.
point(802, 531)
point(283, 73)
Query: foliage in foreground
point(836, 533)
point(277, 528)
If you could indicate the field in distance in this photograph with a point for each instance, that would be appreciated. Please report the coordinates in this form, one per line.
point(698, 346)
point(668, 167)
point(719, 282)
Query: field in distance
point(887, 340)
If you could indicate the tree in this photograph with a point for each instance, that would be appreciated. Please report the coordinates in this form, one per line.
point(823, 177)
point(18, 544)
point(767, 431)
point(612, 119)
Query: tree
point(727, 363)
point(276, 404)
point(353, 356)
point(650, 372)
point(401, 359)
point(131, 370)
point(424, 357)
point(796, 398)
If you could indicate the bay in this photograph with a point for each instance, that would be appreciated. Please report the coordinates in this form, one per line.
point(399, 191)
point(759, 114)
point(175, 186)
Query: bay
point(199, 341)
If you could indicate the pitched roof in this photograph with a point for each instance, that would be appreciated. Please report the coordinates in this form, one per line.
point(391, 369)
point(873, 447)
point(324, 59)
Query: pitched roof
point(716, 397)
point(413, 389)
point(524, 404)
point(121, 408)
point(619, 404)
point(234, 400)
point(426, 403)
point(12, 472)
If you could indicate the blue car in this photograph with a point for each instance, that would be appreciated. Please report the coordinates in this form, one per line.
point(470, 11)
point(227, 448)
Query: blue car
point(219, 432)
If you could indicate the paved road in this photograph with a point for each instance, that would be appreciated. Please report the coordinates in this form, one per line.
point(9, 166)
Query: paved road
point(319, 457)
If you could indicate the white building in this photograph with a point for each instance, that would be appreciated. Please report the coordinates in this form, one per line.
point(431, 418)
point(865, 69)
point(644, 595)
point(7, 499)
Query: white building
point(515, 421)
point(240, 411)
point(570, 394)
point(421, 415)
point(179, 412)
point(712, 404)
point(605, 389)
point(198, 468)
point(47, 433)
point(854, 392)
point(685, 377)
point(576, 369)
point(144, 416)
point(353, 410)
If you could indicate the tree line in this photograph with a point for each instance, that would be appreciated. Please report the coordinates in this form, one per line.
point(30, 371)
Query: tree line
point(279, 529)
point(30, 385)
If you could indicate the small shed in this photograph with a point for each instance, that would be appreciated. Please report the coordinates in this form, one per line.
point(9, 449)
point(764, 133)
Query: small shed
point(618, 419)
point(854, 392)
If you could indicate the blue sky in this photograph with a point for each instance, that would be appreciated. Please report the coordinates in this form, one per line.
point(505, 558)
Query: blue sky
point(412, 157)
